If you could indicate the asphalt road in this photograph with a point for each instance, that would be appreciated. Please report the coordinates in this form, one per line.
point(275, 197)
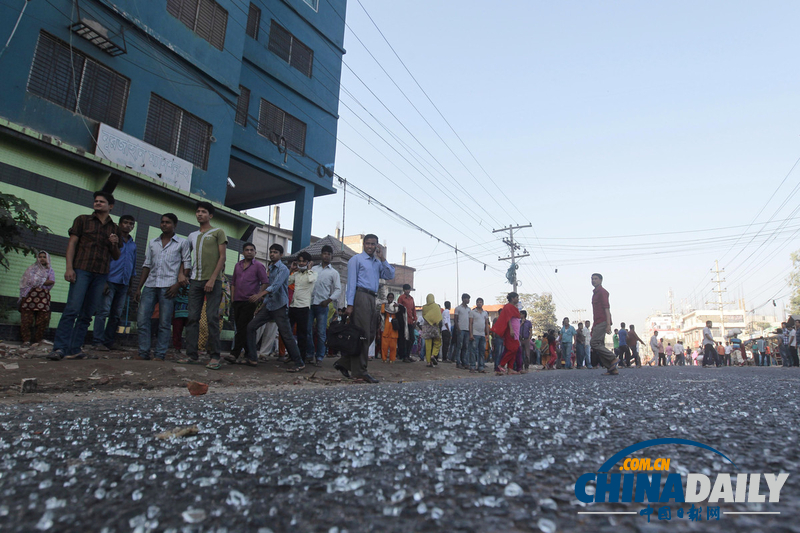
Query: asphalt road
point(491, 455)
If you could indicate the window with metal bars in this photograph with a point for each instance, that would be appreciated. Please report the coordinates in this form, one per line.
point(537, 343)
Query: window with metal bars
point(242, 105)
point(178, 132)
point(253, 21)
point(206, 18)
point(281, 127)
point(290, 49)
point(77, 82)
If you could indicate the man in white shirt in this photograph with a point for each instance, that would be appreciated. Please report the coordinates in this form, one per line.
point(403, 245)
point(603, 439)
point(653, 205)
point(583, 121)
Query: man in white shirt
point(445, 332)
point(653, 348)
point(303, 279)
point(461, 333)
point(793, 342)
point(327, 290)
point(709, 353)
point(478, 326)
point(588, 344)
point(679, 353)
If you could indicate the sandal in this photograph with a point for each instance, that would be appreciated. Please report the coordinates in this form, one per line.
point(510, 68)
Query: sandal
point(297, 369)
point(231, 359)
point(214, 364)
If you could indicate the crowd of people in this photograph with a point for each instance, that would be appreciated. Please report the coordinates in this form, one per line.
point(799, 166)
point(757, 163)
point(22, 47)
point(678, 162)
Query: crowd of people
point(286, 310)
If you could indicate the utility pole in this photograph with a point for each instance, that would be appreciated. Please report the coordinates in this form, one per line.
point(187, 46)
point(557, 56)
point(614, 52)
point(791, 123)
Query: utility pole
point(719, 290)
point(509, 241)
point(580, 314)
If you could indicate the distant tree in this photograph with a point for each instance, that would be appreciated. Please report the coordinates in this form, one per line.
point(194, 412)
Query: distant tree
point(17, 221)
point(540, 307)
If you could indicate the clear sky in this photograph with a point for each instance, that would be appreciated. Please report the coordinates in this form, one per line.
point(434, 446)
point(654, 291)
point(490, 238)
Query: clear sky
point(626, 133)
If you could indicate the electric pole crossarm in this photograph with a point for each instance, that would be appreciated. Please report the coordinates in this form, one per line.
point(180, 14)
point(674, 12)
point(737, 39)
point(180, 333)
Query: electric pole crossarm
point(513, 247)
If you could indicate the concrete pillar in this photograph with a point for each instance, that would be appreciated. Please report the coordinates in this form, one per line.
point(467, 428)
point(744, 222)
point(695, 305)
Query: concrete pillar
point(303, 207)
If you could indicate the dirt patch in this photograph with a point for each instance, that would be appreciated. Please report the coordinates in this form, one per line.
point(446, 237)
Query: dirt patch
point(119, 374)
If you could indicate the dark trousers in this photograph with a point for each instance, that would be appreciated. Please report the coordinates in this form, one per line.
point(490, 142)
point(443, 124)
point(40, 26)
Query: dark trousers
point(625, 355)
point(662, 359)
point(197, 293)
point(636, 358)
point(793, 355)
point(298, 318)
point(364, 316)
point(710, 355)
point(407, 345)
point(243, 313)
point(445, 343)
point(281, 318)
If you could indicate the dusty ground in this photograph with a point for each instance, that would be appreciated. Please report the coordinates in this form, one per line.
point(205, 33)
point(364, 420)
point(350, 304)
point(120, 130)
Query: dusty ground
point(119, 373)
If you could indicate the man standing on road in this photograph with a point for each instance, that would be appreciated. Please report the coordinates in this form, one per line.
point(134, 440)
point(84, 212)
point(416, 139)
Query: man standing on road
point(679, 351)
point(274, 309)
point(364, 272)
point(709, 353)
point(94, 240)
point(601, 310)
point(624, 349)
point(783, 346)
point(407, 301)
point(461, 333)
point(615, 340)
point(633, 341)
point(588, 345)
point(303, 280)
point(653, 348)
point(446, 332)
point(580, 346)
point(167, 261)
point(327, 290)
point(793, 341)
point(567, 332)
point(117, 288)
point(525, 332)
point(478, 327)
point(248, 280)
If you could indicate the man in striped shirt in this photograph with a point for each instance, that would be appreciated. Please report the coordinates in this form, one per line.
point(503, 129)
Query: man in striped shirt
point(166, 264)
point(208, 246)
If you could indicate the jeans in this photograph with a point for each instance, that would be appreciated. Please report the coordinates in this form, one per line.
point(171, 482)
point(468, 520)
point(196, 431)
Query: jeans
point(298, 317)
point(785, 359)
point(111, 309)
point(566, 353)
point(151, 296)
point(497, 348)
point(710, 355)
point(461, 347)
point(588, 350)
point(580, 355)
point(83, 299)
point(765, 359)
point(319, 313)
point(477, 353)
point(196, 295)
point(281, 318)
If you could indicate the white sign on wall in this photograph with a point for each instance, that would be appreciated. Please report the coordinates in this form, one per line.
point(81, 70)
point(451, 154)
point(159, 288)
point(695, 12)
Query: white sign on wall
point(137, 155)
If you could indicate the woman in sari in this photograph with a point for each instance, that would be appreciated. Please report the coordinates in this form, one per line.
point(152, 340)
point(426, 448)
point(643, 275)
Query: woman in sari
point(552, 350)
point(34, 299)
point(432, 330)
point(507, 326)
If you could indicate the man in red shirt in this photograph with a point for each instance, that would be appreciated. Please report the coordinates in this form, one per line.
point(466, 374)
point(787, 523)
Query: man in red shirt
point(407, 301)
point(602, 326)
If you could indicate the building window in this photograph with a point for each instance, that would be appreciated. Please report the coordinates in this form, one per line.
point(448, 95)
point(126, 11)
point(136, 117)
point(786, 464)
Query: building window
point(290, 49)
point(175, 131)
point(204, 17)
point(253, 21)
point(242, 105)
point(281, 127)
point(314, 4)
point(77, 82)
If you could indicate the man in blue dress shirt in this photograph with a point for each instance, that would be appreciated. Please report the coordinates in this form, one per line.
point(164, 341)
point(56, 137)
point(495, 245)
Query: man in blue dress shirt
point(364, 272)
